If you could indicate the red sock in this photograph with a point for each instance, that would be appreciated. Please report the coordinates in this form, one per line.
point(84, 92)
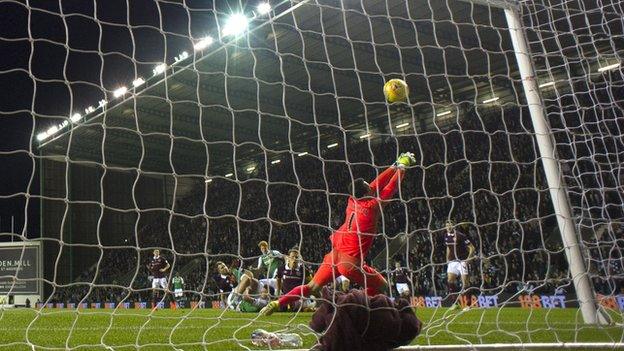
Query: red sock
point(294, 295)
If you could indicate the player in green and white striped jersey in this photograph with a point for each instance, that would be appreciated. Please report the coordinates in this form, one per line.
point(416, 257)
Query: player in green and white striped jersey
point(268, 263)
point(178, 287)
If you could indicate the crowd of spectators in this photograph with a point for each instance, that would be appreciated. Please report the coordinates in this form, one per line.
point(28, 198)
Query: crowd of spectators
point(487, 179)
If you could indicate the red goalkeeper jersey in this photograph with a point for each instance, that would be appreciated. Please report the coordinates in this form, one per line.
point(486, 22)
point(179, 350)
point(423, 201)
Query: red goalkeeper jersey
point(356, 235)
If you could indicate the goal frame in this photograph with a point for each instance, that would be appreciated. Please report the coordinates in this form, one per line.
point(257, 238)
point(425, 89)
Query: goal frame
point(592, 315)
point(550, 162)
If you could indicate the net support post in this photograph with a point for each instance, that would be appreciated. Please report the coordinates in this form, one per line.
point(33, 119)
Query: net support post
point(554, 179)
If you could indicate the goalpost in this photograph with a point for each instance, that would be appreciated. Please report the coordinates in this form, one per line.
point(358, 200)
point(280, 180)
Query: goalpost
point(557, 189)
point(201, 129)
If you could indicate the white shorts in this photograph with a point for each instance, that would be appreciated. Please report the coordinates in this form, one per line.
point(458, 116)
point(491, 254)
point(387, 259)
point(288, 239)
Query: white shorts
point(270, 282)
point(159, 283)
point(233, 300)
point(339, 282)
point(402, 288)
point(178, 293)
point(457, 268)
point(340, 279)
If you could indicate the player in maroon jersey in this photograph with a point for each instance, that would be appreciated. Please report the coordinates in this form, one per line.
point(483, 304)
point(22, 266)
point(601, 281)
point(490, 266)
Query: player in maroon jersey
point(459, 250)
point(290, 276)
point(158, 266)
point(401, 278)
point(225, 282)
point(351, 242)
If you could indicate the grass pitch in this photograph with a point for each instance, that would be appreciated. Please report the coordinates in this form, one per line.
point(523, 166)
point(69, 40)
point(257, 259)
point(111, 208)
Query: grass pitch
point(211, 329)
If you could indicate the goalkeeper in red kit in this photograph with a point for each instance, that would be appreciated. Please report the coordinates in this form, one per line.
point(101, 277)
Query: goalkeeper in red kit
point(351, 242)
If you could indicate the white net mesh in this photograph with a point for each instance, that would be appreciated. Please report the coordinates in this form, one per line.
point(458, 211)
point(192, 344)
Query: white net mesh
point(585, 115)
point(142, 125)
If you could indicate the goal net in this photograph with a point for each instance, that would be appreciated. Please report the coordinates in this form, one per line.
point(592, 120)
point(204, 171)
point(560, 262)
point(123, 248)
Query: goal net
point(202, 129)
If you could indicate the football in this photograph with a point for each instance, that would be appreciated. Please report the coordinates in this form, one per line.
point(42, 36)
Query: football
point(396, 90)
point(404, 160)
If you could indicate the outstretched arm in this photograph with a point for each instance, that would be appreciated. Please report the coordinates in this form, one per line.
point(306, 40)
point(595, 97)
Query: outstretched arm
point(471, 246)
point(393, 185)
point(382, 180)
point(389, 180)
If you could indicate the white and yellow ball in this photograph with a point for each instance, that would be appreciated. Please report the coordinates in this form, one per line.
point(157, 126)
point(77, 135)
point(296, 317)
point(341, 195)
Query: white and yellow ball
point(404, 160)
point(396, 90)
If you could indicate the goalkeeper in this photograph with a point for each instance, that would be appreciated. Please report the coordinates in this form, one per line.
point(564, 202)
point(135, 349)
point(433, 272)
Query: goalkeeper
point(352, 241)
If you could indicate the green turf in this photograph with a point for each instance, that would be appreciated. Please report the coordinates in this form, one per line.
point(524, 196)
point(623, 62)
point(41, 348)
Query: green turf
point(218, 330)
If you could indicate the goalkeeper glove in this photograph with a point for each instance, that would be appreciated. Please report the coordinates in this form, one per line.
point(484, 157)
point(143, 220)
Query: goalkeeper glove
point(405, 159)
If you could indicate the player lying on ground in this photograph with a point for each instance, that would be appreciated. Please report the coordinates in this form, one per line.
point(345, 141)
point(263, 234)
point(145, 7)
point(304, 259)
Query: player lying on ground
point(158, 266)
point(251, 303)
point(352, 241)
point(459, 250)
point(246, 284)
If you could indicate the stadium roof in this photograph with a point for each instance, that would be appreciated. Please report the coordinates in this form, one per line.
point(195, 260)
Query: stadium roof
point(240, 96)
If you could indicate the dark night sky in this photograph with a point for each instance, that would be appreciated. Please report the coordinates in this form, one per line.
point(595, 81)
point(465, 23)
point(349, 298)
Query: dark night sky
point(59, 57)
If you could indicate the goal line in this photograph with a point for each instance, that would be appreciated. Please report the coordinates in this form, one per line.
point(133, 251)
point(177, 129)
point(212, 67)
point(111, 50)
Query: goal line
point(521, 346)
point(517, 346)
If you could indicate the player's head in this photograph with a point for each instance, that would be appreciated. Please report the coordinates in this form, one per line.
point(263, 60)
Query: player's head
point(156, 253)
point(361, 188)
point(449, 225)
point(264, 293)
point(264, 246)
point(406, 294)
point(397, 264)
point(222, 268)
point(293, 253)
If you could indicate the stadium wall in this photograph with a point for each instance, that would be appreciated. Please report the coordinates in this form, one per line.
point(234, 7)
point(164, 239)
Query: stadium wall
point(79, 221)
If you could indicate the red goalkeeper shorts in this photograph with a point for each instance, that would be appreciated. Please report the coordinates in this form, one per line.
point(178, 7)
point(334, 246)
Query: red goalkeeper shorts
point(337, 263)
